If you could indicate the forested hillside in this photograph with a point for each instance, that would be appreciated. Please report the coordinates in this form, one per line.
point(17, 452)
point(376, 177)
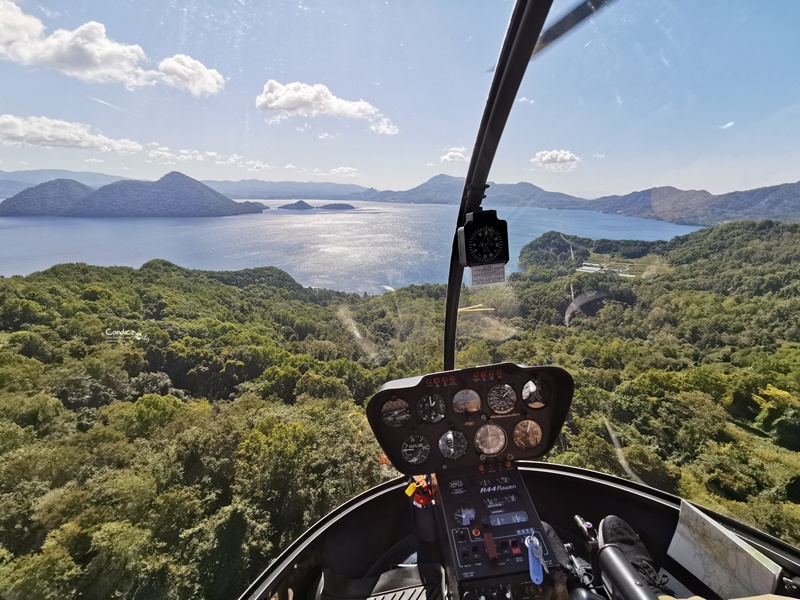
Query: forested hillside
point(165, 432)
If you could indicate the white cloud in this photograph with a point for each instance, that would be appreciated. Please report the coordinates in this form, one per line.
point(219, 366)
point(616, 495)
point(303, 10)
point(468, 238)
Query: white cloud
point(428, 164)
point(728, 125)
point(186, 73)
point(212, 154)
point(190, 155)
point(598, 155)
point(257, 165)
point(290, 166)
point(305, 100)
point(303, 128)
point(524, 100)
point(87, 53)
point(559, 161)
point(233, 159)
point(455, 154)
point(93, 160)
point(341, 172)
point(53, 133)
point(325, 136)
point(162, 152)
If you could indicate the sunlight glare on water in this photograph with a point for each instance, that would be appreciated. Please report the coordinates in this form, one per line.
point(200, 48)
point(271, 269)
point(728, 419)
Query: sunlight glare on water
point(376, 247)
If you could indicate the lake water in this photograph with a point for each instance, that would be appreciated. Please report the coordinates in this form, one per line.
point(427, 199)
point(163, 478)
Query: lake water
point(366, 250)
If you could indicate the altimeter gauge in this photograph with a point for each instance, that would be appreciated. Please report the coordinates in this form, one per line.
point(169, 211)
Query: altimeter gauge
point(431, 408)
point(527, 434)
point(415, 449)
point(501, 398)
point(396, 413)
point(453, 444)
point(490, 439)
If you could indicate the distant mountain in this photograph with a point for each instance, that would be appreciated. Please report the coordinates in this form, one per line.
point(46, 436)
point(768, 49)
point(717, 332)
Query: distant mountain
point(50, 198)
point(174, 195)
point(9, 187)
point(166, 197)
point(445, 189)
point(696, 207)
point(439, 189)
point(37, 176)
point(664, 203)
point(277, 190)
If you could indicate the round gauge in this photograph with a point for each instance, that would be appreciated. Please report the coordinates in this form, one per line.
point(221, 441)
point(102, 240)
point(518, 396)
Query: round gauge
point(416, 449)
point(490, 439)
point(486, 244)
point(396, 413)
point(527, 434)
point(501, 398)
point(464, 515)
point(453, 444)
point(466, 401)
point(431, 408)
point(536, 395)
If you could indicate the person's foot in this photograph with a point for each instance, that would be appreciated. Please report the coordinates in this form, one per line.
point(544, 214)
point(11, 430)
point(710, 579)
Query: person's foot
point(614, 530)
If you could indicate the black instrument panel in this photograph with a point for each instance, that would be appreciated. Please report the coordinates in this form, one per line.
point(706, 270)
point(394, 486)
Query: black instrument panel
point(470, 417)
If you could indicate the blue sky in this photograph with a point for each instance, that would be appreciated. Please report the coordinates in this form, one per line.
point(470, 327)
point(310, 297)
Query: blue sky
point(387, 94)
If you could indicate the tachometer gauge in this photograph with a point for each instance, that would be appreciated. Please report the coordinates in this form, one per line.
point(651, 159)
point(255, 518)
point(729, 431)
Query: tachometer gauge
point(466, 401)
point(490, 439)
point(453, 444)
point(416, 449)
point(527, 434)
point(536, 395)
point(501, 398)
point(396, 413)
point(431, 408)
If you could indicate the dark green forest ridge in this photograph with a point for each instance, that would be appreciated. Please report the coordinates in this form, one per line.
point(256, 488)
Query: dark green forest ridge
point(164, 432)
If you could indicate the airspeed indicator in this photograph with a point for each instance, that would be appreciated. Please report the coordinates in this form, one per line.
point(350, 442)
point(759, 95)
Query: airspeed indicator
point(501, 398)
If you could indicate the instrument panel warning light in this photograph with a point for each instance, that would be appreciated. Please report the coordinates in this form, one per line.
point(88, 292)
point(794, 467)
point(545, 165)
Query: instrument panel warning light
point(515, 548)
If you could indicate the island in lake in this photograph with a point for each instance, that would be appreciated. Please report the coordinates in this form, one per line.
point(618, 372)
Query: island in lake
point(299, 205)
point(337, 206)
point(174, 195)
point(303, 205)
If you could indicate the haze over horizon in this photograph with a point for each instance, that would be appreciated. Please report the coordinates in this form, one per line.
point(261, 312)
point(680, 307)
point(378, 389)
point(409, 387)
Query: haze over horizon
point(638, 97)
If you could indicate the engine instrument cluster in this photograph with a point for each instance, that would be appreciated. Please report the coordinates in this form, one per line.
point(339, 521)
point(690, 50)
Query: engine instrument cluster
point(470, 417)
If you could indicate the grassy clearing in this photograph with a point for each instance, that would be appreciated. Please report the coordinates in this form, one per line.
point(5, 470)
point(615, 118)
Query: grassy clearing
point(649, 266)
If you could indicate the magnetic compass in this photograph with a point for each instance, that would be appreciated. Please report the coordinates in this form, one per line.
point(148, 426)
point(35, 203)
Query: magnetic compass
point(483, 240)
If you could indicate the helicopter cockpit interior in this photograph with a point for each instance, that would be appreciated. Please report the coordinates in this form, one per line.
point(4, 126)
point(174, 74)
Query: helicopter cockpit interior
point(476, 514)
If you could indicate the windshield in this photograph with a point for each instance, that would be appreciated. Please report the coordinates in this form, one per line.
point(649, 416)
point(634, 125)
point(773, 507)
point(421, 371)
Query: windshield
point(227, 224)
point(657, 141)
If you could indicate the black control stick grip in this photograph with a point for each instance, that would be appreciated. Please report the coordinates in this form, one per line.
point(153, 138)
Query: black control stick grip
point(625, 581)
